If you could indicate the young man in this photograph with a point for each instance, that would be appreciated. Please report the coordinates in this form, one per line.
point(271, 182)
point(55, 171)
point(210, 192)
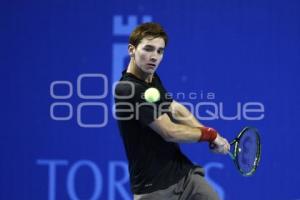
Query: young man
point(151, 130)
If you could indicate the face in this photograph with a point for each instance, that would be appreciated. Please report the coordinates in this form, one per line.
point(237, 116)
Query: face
point(148, 54)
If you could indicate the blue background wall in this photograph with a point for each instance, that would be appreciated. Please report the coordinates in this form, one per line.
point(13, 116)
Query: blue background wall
point(58, 138)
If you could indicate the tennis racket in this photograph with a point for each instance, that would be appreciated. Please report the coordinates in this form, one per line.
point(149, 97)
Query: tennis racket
point(246, 151)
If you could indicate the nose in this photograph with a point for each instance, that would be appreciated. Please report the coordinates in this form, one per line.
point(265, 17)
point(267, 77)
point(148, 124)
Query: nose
point(154, 57)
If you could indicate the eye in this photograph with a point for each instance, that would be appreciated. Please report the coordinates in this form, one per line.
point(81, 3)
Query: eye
point(149, 49)
point(160, 51)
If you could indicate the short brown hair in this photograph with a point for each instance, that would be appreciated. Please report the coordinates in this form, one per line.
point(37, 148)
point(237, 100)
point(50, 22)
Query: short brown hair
point(151, 29)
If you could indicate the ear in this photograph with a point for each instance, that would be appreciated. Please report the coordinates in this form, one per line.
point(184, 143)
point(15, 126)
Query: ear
point(131, 50)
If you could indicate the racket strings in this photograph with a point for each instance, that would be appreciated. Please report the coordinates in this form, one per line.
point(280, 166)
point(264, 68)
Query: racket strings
point(247, 152)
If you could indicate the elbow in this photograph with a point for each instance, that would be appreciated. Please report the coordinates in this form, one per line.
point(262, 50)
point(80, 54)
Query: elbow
point(165, 128)
point(169, 134)
point(169, 138)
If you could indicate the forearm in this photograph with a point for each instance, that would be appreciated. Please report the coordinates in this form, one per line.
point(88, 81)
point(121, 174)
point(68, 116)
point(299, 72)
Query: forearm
point(173, 132)
point(186, 134)
point(183, 134)
point(181, 115)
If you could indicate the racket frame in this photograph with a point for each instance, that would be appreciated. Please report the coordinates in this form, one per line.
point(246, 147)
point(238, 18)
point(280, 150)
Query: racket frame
point(235, 144)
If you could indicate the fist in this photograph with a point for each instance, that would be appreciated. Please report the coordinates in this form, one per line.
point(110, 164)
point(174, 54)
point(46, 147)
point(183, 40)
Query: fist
point(220, 145)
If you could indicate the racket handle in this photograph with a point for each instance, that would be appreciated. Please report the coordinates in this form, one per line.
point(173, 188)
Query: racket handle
point(231, 155)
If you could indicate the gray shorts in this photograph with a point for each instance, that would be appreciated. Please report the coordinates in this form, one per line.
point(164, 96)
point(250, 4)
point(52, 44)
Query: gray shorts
point(191, 187)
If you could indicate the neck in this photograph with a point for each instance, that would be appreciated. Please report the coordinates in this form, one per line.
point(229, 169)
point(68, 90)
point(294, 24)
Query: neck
point(133, 69)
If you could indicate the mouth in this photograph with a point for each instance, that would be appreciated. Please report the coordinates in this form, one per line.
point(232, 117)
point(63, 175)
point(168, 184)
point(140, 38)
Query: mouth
point(151, 65)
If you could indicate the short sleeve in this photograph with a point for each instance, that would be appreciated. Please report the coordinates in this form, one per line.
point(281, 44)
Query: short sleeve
point(131, 104)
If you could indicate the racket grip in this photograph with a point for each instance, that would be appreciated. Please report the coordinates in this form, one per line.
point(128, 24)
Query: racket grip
point(211, 145)
point(231, 155)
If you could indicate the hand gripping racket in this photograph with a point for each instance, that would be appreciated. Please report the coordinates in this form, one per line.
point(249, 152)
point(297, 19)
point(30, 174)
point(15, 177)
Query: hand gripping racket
point(246, 151)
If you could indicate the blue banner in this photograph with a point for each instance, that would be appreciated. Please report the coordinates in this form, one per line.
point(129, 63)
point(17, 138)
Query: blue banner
point(232, 63)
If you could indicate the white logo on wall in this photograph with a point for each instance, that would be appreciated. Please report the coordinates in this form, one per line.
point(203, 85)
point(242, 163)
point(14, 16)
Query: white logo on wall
point(63, 110)
point(90, 101)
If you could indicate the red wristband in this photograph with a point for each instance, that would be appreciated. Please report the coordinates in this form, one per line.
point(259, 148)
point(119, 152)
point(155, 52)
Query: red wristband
point(208, 134)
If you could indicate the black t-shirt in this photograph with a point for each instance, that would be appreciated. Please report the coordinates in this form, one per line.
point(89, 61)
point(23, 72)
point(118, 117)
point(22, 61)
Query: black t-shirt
point(154, 163)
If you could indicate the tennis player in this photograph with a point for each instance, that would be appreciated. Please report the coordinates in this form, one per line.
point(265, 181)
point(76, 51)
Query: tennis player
point(151, 131)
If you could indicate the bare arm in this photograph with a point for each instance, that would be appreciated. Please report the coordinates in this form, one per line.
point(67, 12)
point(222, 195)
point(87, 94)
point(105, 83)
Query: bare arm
point(181, 115)
point(173, 132)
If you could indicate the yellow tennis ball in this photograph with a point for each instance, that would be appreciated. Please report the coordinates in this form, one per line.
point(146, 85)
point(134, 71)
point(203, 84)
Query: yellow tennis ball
point(152, 95)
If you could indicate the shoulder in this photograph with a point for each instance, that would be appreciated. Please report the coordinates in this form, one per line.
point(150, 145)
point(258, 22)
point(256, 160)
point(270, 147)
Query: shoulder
point(128, 88)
